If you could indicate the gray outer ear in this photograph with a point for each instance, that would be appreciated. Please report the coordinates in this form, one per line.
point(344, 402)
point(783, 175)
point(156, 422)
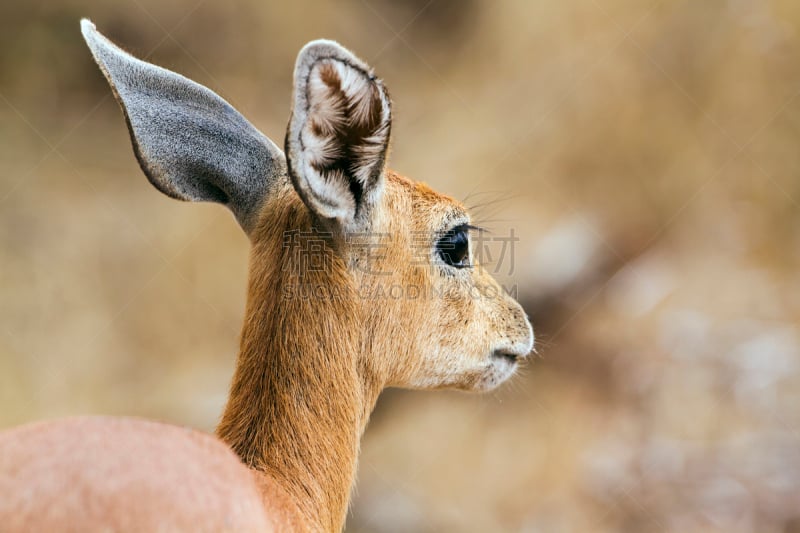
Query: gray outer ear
point(190, 143)
point(338, 135)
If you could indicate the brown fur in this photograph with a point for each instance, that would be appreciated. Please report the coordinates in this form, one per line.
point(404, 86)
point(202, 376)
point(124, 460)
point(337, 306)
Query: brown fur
point(296, 407)
point(118, 474)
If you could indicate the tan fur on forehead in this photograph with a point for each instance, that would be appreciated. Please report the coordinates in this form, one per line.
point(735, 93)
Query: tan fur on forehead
point(425, 197)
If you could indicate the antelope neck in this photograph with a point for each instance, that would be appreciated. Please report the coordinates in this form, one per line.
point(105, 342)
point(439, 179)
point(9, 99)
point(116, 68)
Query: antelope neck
point(299, 401)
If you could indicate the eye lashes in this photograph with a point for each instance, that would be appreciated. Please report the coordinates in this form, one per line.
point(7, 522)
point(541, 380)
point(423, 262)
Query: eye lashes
point(470, 227)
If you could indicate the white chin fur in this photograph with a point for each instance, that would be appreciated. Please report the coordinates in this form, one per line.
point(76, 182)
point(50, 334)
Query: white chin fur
point(497, 372)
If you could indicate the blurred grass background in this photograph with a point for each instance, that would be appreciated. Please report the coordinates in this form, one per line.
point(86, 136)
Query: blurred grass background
point(644, 152)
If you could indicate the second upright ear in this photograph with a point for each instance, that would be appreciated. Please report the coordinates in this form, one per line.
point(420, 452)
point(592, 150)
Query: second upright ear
point(338, 134)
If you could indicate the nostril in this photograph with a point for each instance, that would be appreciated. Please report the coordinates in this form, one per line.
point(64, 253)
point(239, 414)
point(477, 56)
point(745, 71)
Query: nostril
point(508, 356)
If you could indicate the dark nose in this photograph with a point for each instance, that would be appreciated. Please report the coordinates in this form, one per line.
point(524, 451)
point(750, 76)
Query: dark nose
point(507, 355)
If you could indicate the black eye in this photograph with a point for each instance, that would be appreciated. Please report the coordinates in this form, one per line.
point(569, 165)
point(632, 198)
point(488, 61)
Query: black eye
point(453, 247)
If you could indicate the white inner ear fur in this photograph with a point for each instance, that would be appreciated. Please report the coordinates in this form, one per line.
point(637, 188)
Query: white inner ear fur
point(343, 137)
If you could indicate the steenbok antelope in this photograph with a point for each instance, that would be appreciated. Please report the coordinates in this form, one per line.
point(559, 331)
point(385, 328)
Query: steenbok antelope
point(321, 335)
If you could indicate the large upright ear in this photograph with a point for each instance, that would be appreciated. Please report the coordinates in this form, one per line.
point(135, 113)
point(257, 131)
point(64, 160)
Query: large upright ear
point(191, 144)
point(338, 135)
